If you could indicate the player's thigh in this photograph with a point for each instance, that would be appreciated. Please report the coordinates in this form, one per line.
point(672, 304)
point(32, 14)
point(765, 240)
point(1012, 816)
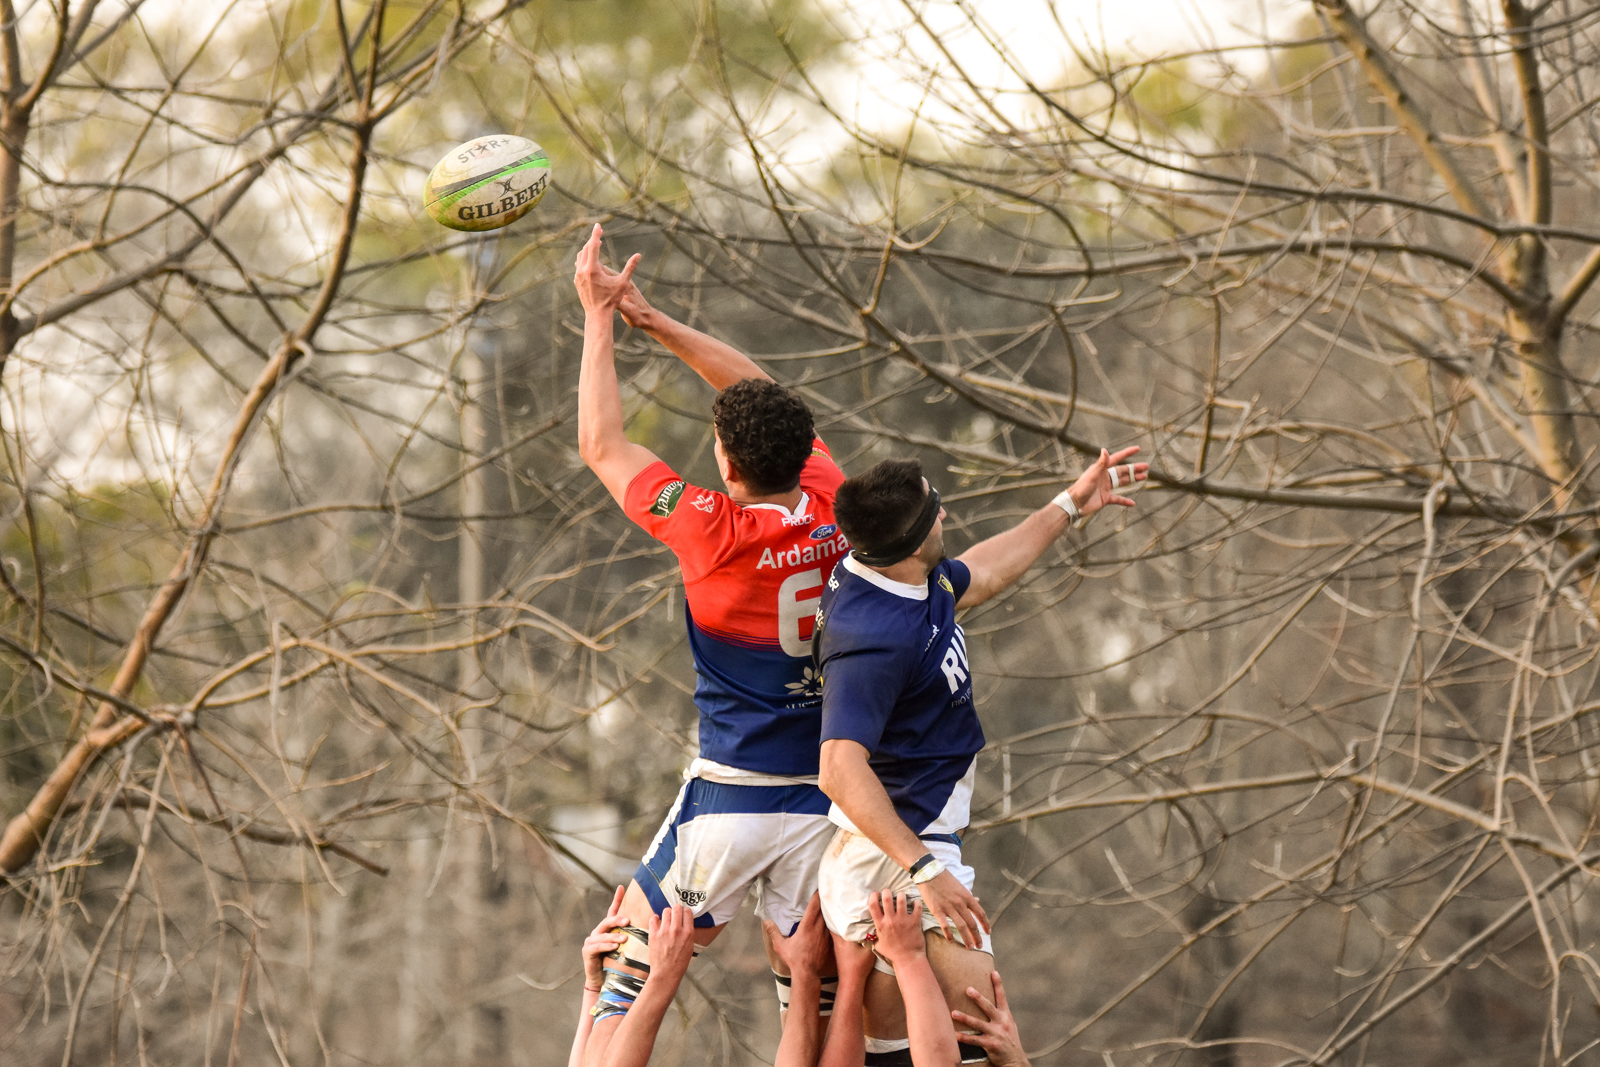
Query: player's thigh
point(883, 1012)
point(785, 888)
point(636, 906)
point(957, 968)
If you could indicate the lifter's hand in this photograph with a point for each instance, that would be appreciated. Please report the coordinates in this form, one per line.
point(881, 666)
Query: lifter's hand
point(899, 925)
point(1094, 489)
point(601, 289)
point(603, 940)
point(671, 945)
point(949, 901)
point(997, 1031)
point(854, 960)
point(808, 950)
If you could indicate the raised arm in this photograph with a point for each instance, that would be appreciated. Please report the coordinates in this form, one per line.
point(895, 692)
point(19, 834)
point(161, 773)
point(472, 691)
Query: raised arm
point(601, 440)
point(719, 364)
point(999, 561)
point(851, 783)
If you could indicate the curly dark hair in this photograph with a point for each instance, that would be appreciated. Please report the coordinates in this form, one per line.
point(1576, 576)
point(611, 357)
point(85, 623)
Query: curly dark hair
point(766, 432)
point(880, 503)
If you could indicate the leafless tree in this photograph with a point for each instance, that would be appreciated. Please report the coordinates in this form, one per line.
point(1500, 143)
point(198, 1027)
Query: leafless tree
point(336, 688)
point(1318, 736)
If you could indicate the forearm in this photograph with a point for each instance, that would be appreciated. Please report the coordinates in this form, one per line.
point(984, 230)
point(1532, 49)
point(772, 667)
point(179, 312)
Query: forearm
point(600, 420)
point(847, 1045)
point(850, 782)
point(719, 364)
point(601, 440)
point(636, 1035)
point(802, 1027)
point(999, 561)
point(585, 1024)
point(933, 1037)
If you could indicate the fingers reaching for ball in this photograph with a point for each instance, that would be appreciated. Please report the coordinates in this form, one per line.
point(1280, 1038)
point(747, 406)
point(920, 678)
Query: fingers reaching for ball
point(1110, 472)
point(600, 289)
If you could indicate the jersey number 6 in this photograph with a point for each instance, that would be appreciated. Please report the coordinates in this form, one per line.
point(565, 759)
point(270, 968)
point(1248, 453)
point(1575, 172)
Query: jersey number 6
point(793, 611)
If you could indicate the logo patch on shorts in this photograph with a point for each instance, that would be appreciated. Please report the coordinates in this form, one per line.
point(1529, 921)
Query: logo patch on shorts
point(944, 583)
point(667, 499)
point(823, 532)
point(692, 897)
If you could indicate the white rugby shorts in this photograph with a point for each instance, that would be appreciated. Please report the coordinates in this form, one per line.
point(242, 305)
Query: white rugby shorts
point(853, 868)
point(720, 839)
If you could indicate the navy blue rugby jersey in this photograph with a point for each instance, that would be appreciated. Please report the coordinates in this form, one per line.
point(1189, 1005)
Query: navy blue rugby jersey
point(895, 680)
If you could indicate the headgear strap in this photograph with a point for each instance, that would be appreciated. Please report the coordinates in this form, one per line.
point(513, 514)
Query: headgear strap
point(904, 546)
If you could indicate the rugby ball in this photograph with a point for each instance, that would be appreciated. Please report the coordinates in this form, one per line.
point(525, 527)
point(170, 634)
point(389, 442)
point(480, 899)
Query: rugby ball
point(487, 183)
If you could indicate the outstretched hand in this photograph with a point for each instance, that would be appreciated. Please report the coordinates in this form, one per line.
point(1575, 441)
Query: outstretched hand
point(997, 1033)
point(603, 940)
point(1099, 485)
point(601, 289)
point(636, 310)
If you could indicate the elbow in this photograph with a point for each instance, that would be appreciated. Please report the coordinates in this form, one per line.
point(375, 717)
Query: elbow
point(827, 771)
point(591, 447)
point(835, 766)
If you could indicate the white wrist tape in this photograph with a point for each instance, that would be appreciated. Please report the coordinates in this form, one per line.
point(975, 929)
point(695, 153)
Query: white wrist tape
point(1064, 501)
point(928, 872)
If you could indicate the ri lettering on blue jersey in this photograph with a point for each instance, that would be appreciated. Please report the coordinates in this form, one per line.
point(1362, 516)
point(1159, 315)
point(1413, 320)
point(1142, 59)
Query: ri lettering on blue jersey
point(896, 680)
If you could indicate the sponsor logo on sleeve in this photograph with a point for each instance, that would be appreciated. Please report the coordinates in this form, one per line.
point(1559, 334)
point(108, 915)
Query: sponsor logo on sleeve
point(944, 583)
point(824, 532)
point(706, 502)
point(667, 499)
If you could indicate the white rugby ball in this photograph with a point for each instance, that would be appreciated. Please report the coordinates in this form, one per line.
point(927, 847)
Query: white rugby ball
point(487, 182)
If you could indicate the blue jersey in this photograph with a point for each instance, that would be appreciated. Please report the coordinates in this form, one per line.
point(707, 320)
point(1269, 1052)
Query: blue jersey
point(895, 680)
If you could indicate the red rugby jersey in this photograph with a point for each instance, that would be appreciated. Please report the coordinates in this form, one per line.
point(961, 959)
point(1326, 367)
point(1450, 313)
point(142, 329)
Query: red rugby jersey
point(752, 577)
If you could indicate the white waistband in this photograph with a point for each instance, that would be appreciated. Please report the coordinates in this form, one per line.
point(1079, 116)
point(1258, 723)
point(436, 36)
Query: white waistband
point(713, 771)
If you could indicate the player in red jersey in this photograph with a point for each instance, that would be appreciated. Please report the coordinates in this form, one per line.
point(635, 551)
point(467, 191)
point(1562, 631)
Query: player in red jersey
point(754, 558)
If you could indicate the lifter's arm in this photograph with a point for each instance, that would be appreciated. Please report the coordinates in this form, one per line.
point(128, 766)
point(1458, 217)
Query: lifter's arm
point(808, 954)
point(719, 364)
point(999, 561)
point(851, 783)
point(671, 946)
point(601, 440)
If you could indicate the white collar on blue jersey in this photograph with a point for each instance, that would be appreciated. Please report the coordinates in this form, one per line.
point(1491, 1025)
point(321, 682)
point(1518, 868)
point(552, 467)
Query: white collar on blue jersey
point(799, 511)
point(889, 585)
